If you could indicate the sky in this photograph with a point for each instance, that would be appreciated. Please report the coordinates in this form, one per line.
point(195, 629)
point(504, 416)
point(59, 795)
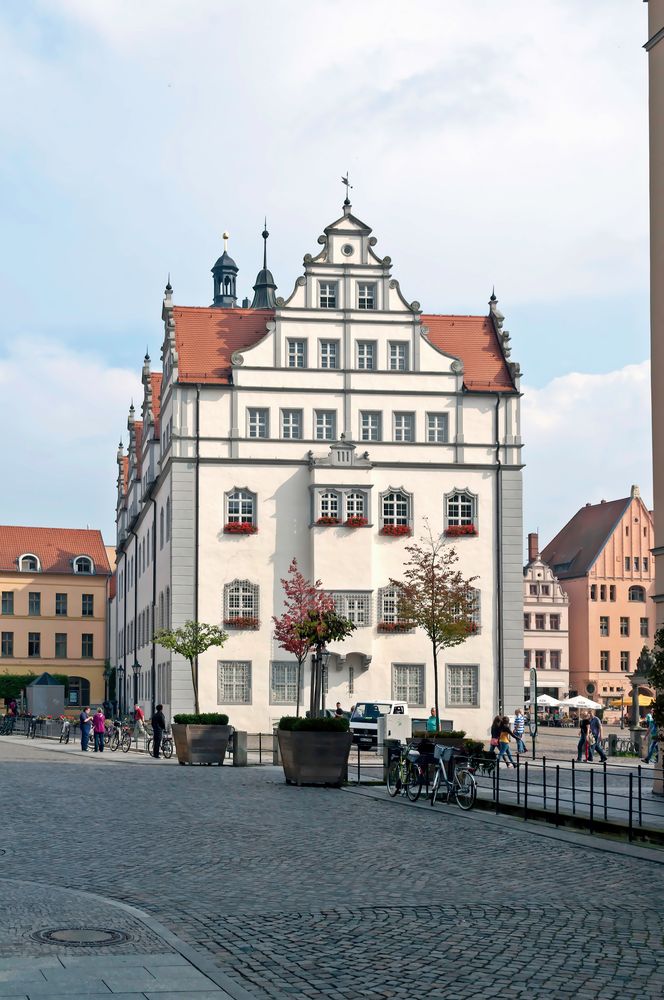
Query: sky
point(488, 144)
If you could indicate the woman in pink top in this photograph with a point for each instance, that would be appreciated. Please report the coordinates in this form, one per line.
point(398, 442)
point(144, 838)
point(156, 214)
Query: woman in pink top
point(98, 727)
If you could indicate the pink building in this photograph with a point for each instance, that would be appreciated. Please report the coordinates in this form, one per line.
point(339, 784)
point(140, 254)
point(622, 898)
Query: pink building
point(602, 558)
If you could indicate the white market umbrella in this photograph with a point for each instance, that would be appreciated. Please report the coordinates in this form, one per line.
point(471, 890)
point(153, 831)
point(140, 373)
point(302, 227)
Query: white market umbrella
point(548, 701)
point(580, 702)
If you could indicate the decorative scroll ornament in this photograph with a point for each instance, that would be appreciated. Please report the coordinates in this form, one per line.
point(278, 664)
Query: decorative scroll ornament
point(237, 359)
point(457, 367)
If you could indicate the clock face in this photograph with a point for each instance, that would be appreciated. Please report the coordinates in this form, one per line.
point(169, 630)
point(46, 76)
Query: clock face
point(347, 250)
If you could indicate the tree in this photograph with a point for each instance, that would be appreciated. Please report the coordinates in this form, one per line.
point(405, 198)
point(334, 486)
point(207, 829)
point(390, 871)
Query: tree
point(437, 597)
point(308, 621)
point(654, 671)
point(317, 630)
point(190, 640)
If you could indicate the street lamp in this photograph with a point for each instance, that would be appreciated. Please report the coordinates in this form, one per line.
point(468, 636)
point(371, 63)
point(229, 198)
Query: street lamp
point(324, 656)
point(136, 667)
point(121, 688)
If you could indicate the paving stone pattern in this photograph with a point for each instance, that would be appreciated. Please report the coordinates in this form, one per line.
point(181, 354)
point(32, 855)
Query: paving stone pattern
point(320, 893)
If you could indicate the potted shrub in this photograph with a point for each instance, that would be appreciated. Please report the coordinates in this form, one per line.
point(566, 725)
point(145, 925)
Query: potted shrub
point(447, 738)
point(314, 751)
point(201, 737)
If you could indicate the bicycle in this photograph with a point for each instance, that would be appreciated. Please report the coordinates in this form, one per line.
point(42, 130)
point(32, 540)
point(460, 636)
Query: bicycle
point(8, 723)
point(31, 730)
point(405, 775)
point(166, 746)
point(65, 732)
point(460, 786)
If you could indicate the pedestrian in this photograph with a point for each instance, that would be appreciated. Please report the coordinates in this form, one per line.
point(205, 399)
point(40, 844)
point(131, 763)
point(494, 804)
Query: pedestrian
point(495, 735)
point(85, 720)
point(139, 722)
point(583, 746)
point(98, 727)
point(596, 732)
point(432, 722)
point(339, 710)
point(13, 708)
point(107, 709)
point(504, 742)
point(519, 727)
point(652, 736)
point(158, 721)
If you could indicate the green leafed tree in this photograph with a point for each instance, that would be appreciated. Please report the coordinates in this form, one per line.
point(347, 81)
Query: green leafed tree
point(191, 640)
point(435, 596)
point(654, 671)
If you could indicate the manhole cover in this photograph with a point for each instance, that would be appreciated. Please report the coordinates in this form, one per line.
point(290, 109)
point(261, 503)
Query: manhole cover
point(80, 936)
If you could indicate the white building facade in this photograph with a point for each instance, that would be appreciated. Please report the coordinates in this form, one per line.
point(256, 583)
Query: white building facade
point(545, 627)
point(330, 428)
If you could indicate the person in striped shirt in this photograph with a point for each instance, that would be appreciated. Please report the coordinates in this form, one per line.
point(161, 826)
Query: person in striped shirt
point(518, 728)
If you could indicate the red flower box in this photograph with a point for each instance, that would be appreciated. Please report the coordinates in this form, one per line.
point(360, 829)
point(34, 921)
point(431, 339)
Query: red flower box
point(395, 530)
point(327, 520)
point(356, 522)
point(456, 530)
point(395, 627)
point(240, 528)
point(242, 621)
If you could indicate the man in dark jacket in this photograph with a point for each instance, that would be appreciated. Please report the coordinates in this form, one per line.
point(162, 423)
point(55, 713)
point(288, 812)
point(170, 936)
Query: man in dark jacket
point(158, 721)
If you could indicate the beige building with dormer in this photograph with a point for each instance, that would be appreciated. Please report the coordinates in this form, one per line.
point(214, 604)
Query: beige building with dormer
point(545, 626)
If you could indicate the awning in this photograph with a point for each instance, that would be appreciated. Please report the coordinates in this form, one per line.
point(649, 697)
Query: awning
point(644, 700)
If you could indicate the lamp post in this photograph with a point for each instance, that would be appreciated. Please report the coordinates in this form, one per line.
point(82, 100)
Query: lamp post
point(324, 656)
point(121, 689)
point(136, 667)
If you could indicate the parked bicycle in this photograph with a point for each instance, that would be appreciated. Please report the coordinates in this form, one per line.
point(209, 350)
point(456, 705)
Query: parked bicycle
point(65, 732)
point(405, 775)
point(31, 728)
point(8, 723)
point(166, 747)
point(454, 777)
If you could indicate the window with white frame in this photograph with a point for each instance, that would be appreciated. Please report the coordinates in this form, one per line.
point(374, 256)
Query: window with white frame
point(291, 424)
point(240, 507)
point(240, 602)
point(329, 353)
point(366, 355)
point(325, 425)
point(404, 426)
point(283, 682)
point(354, 606)
point(28, 564)
point(356, 505)
point(462, 685)
point(398, 357)
point(327, 298)
point(388, 606)
point(460, 509)
point(329, 505)
point(83, 564)
point(258, 422)
point(395, 508)
point(437, 428)
point(408, 683)
point(234, 682)
point(366, 295)
point(371, 425)
point(297, 354)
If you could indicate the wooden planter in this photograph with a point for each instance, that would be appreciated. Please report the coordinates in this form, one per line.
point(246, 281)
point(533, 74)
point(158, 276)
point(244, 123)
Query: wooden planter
point(201, 744)
point(312, 758)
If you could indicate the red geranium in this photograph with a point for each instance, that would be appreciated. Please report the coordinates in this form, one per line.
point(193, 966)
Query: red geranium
point(456, 530)
point(240, 528)
point(395, 530)
point(242, 621)
point(327, 519)
point(356, 521)
point(395, 627)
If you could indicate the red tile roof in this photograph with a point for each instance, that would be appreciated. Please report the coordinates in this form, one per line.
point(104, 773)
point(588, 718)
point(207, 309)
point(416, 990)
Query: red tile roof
point(125, 472)
point(138, 434)
point(155, 385)
point(474, 340)
point(576, 546)
point(54, 547)
point(206, 338)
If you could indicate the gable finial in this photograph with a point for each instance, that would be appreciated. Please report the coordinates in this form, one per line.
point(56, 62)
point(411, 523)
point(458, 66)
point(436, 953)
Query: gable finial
point(226, 236)
point(265, 235)
point(344, 180)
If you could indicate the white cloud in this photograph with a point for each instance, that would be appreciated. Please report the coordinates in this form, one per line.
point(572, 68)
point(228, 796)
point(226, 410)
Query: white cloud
point(63, 414)
point(587, 438)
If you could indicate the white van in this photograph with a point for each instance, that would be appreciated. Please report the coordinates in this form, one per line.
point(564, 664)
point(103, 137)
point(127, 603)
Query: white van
point(364, 719)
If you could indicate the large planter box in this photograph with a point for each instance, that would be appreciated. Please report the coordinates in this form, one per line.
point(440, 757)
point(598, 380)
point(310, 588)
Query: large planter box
point(201, 744)
point(311, 758)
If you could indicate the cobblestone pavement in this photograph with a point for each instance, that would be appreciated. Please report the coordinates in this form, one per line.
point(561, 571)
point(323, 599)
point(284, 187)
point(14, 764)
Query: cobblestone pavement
point(320, 893)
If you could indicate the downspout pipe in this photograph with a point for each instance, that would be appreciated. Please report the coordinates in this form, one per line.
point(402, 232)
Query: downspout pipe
point(123, 689)
point(197, 519)
point(135, 629)
point(499, 563)
point(154, 602)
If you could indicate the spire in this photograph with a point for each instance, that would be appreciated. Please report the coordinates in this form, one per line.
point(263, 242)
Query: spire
point(225, 274)
point(264, 289)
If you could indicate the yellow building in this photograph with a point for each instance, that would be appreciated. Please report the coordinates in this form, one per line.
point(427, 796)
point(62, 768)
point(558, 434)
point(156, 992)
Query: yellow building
point(53, 607)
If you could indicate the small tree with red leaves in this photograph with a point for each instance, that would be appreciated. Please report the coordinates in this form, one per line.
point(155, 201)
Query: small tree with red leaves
point(435, 595)
point(309, 620)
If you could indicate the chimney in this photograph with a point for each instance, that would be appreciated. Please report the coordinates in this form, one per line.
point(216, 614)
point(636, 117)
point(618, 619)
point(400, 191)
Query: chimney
point(533, 546)
point(635, 492)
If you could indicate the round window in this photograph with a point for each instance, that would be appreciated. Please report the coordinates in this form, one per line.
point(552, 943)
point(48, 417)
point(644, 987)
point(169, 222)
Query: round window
point(347, 250)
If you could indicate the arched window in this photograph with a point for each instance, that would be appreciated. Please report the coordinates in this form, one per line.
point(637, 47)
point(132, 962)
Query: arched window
point(460, 513)
point(329, 504)
point(29, 564)
point(355, 505)
point(161, 528)
point(168, 519)
point(395, 508)
point(636, 594)
point(83, 564)
point(241, 604)
point(168, 607)
point(241, 507)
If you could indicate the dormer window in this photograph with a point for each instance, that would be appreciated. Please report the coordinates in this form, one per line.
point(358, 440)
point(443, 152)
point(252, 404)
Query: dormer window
point(366, 295)
point(28, 564)
point(83, 564)
point(327, 298)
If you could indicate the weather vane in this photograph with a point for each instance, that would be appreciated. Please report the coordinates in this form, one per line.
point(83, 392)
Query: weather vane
point(344, 180)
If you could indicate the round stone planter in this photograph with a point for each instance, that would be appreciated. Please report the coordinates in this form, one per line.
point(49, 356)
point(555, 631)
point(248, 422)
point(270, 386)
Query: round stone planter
point(201, 744)
point(310, 758)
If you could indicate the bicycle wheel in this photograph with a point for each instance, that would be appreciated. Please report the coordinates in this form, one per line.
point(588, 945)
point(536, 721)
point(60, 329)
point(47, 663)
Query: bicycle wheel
point(413, 782)
point(115, 741)
point(149, 745)
point(435, 785)
point(167, 747)
point(394, 778)
point(465, 789)
point(125, 745)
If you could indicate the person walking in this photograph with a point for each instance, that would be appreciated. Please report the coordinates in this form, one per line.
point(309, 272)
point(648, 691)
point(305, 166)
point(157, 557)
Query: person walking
point(583, 751)
point(158, 721)
point(504, 742)
point(98, 727)
point(495, 734)
point(339, 710)
point(519, 728)
point(85, 721)
point(139, 722)
point(652, 736)
point(596, 732)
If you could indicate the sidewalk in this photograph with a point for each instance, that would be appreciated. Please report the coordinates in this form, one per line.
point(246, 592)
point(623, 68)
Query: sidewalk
point(73, 750)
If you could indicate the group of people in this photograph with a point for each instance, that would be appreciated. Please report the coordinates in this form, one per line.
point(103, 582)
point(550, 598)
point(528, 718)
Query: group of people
point(97, 724)
point(502, 732)
point(590, 739)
